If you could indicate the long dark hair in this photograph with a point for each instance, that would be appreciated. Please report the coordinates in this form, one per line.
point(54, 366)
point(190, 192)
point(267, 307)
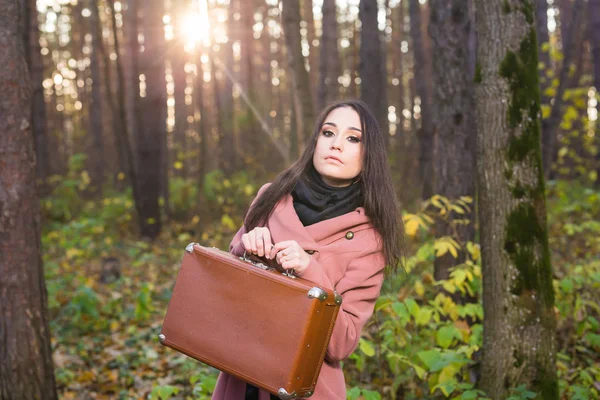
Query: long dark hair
point(379, 196)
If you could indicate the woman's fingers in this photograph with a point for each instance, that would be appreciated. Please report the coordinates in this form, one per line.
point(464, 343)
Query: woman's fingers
point(246, 242)
point(252, 240)
point(258, 241)
point(267, 243)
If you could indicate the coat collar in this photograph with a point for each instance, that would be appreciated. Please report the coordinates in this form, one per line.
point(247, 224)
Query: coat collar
point(308, 237)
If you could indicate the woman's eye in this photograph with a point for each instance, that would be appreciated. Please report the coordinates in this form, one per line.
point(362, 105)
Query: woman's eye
point(354, 139)
point(327, 133)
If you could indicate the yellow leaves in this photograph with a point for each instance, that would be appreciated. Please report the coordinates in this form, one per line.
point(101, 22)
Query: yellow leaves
point(178, 165)
point(444, 245)
point(228, 222)
point(85, 180)
point(550, 92)
point(73, 252)
point(248, 190)
point(195, 219)
point(563, 152)
point(419, 289)
point(546, 111)
point(545, 47)
point(120, 176)
point(412, 223)
point(474, 250)
point(115, 325)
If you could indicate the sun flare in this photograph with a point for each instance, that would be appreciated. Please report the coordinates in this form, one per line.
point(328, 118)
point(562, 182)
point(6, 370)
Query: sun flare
point(195, 27)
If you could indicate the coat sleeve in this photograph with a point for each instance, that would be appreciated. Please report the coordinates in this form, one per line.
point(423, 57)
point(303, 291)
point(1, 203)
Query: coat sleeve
point(236, 246)
point(359, 288)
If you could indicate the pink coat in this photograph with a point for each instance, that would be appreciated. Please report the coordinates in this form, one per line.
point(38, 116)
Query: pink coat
point(348, 257)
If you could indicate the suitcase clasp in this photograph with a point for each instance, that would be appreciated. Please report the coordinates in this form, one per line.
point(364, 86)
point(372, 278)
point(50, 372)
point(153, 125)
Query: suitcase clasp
point(256, 263)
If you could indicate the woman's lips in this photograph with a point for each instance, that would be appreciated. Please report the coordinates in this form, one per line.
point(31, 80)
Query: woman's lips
point(334, 159)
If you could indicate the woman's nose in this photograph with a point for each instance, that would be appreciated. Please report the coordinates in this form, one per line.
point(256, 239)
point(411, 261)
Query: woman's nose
point(336, 143)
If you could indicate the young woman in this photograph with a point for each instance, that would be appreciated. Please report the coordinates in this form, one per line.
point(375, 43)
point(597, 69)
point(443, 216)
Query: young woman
point(332, 218)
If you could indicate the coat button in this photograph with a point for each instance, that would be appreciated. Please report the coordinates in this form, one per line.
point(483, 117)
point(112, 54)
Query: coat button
point(349, 235)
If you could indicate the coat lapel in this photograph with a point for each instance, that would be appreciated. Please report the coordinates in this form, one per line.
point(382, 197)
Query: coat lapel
point(285, 225)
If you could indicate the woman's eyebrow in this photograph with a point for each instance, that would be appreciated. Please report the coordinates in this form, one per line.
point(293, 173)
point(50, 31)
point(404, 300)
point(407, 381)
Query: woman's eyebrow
point(335, 126)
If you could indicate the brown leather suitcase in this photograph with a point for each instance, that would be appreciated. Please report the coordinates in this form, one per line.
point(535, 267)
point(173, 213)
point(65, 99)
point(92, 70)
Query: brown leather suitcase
point(239, 316)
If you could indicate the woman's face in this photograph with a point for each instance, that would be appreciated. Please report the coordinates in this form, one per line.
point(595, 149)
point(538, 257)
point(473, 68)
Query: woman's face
point(338, 154)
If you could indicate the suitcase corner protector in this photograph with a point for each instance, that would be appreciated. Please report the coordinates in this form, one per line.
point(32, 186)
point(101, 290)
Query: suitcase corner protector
point(190, 248)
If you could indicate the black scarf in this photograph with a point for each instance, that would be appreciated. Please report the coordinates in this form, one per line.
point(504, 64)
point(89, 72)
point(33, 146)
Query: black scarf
point(315, 201)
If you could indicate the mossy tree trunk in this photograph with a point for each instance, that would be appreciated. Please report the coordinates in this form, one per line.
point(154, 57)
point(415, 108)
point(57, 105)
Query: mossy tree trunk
point(518, 299)
point(26, 370)
point(453, 116)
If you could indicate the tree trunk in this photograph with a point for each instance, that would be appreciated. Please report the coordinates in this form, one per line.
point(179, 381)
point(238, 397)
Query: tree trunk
point(425, 133)
point(38, 114)
point(26, 370)
point(453, 118)
point(373, 82)
point(329, 61)
point(228, 138)
point(309, 18)
point(151, 147)
point(122, 135)
point(95, 109)
point(518, 299)
point(178, 59)
point(250, 128)
point(594, 16)
point(551, 124)
point(131, 72)
point(398, 60)
point(303, 106)
point(541, 26)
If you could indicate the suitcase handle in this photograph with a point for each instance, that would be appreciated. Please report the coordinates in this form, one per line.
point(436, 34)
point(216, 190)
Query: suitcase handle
point(259, 264)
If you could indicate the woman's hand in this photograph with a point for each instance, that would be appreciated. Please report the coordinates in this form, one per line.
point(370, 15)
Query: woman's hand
point(258, 241)
point(291, 256)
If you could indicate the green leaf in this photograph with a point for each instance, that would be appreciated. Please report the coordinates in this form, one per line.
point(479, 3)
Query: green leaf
point(469, 395)
point(412, 306)
point(423, 316)
point(445, 335)
point(446, 387)
point(401, 310)
point(370, 395)
point(593, 339)
point(366, 347)
point(430, 358)
point(163, 392)
point(353, 394)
